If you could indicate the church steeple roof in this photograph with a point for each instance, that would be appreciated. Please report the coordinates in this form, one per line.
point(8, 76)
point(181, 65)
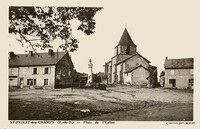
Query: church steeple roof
point(126, 39)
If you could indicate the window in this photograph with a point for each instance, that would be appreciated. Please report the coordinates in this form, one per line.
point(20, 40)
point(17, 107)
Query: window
point(10, 82)
point(128, 50)
point(24, 71)
point(58, 76)
point(190, 82)
point(34, 70)
point(11, 71)
point(69, 73)
point(172, 72)
point(31, 82)
point(45, 81)
point(119, 50)
point(46, 70)
point(191, 71)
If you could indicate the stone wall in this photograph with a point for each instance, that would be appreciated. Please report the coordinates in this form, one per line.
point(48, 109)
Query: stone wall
point(135, 61)
point(64, 73)
point(139, 76)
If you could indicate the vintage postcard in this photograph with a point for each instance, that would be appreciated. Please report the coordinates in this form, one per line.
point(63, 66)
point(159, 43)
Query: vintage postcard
point(91, 63)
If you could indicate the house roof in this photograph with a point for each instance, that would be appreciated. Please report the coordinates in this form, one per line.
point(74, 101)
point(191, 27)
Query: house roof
point(152, 68)
point(125, 59)
point(39, 59)
point(182, 63)
point(126, 39)
point(134, 68)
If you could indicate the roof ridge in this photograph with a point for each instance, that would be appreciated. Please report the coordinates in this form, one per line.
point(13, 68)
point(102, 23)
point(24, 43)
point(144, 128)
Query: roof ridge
point(40, 53)
point(36, 60)
point(180, 58)
point(135, 67)
point(126, 58)
point(131, 57)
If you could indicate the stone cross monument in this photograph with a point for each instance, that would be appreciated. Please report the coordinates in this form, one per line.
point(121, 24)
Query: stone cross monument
point(90, 72)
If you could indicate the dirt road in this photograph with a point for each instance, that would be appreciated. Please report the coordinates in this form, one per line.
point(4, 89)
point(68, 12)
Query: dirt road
point(116, 103)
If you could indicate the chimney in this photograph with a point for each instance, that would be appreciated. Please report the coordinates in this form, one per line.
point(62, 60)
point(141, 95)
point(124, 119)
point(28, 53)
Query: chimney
point(11, 55)
point(50, 52)
point(166, 58)
point(30, 53)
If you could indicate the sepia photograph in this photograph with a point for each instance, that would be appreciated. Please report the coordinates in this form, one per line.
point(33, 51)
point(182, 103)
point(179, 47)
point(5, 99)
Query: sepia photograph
point(101, 62)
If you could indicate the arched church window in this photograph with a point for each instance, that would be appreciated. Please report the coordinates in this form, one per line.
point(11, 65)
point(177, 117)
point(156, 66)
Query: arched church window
point(128, 50)
point(69, 73)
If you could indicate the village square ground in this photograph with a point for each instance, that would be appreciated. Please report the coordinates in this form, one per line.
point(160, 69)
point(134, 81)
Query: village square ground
point(124, 103)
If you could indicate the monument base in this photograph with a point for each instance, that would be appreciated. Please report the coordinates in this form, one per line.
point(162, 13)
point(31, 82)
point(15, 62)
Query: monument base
point(88, 84)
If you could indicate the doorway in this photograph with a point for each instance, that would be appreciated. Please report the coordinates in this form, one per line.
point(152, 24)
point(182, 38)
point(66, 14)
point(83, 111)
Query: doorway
point(21, 82)
point(173, 82)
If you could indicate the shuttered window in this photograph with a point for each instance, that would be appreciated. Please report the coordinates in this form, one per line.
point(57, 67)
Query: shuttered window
point(190, 82)
point(46, 82)
point(46, 70)
point(35, 71)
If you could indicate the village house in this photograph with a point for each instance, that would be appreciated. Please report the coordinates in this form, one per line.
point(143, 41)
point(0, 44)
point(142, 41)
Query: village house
point(42, 70)
point(128, 66)
point(179, 73)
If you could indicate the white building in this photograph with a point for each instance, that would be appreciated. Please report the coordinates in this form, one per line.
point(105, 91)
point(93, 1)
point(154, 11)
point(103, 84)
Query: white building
point(51, 70)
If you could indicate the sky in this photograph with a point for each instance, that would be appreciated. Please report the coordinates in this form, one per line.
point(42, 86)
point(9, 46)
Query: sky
point(159, 29)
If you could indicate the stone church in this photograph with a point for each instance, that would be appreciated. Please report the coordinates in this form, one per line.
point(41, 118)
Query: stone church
point(127, 66)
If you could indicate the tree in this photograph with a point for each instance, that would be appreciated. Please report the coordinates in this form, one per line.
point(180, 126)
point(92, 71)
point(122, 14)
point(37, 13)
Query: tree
point(162, 73)
point(45, 24)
